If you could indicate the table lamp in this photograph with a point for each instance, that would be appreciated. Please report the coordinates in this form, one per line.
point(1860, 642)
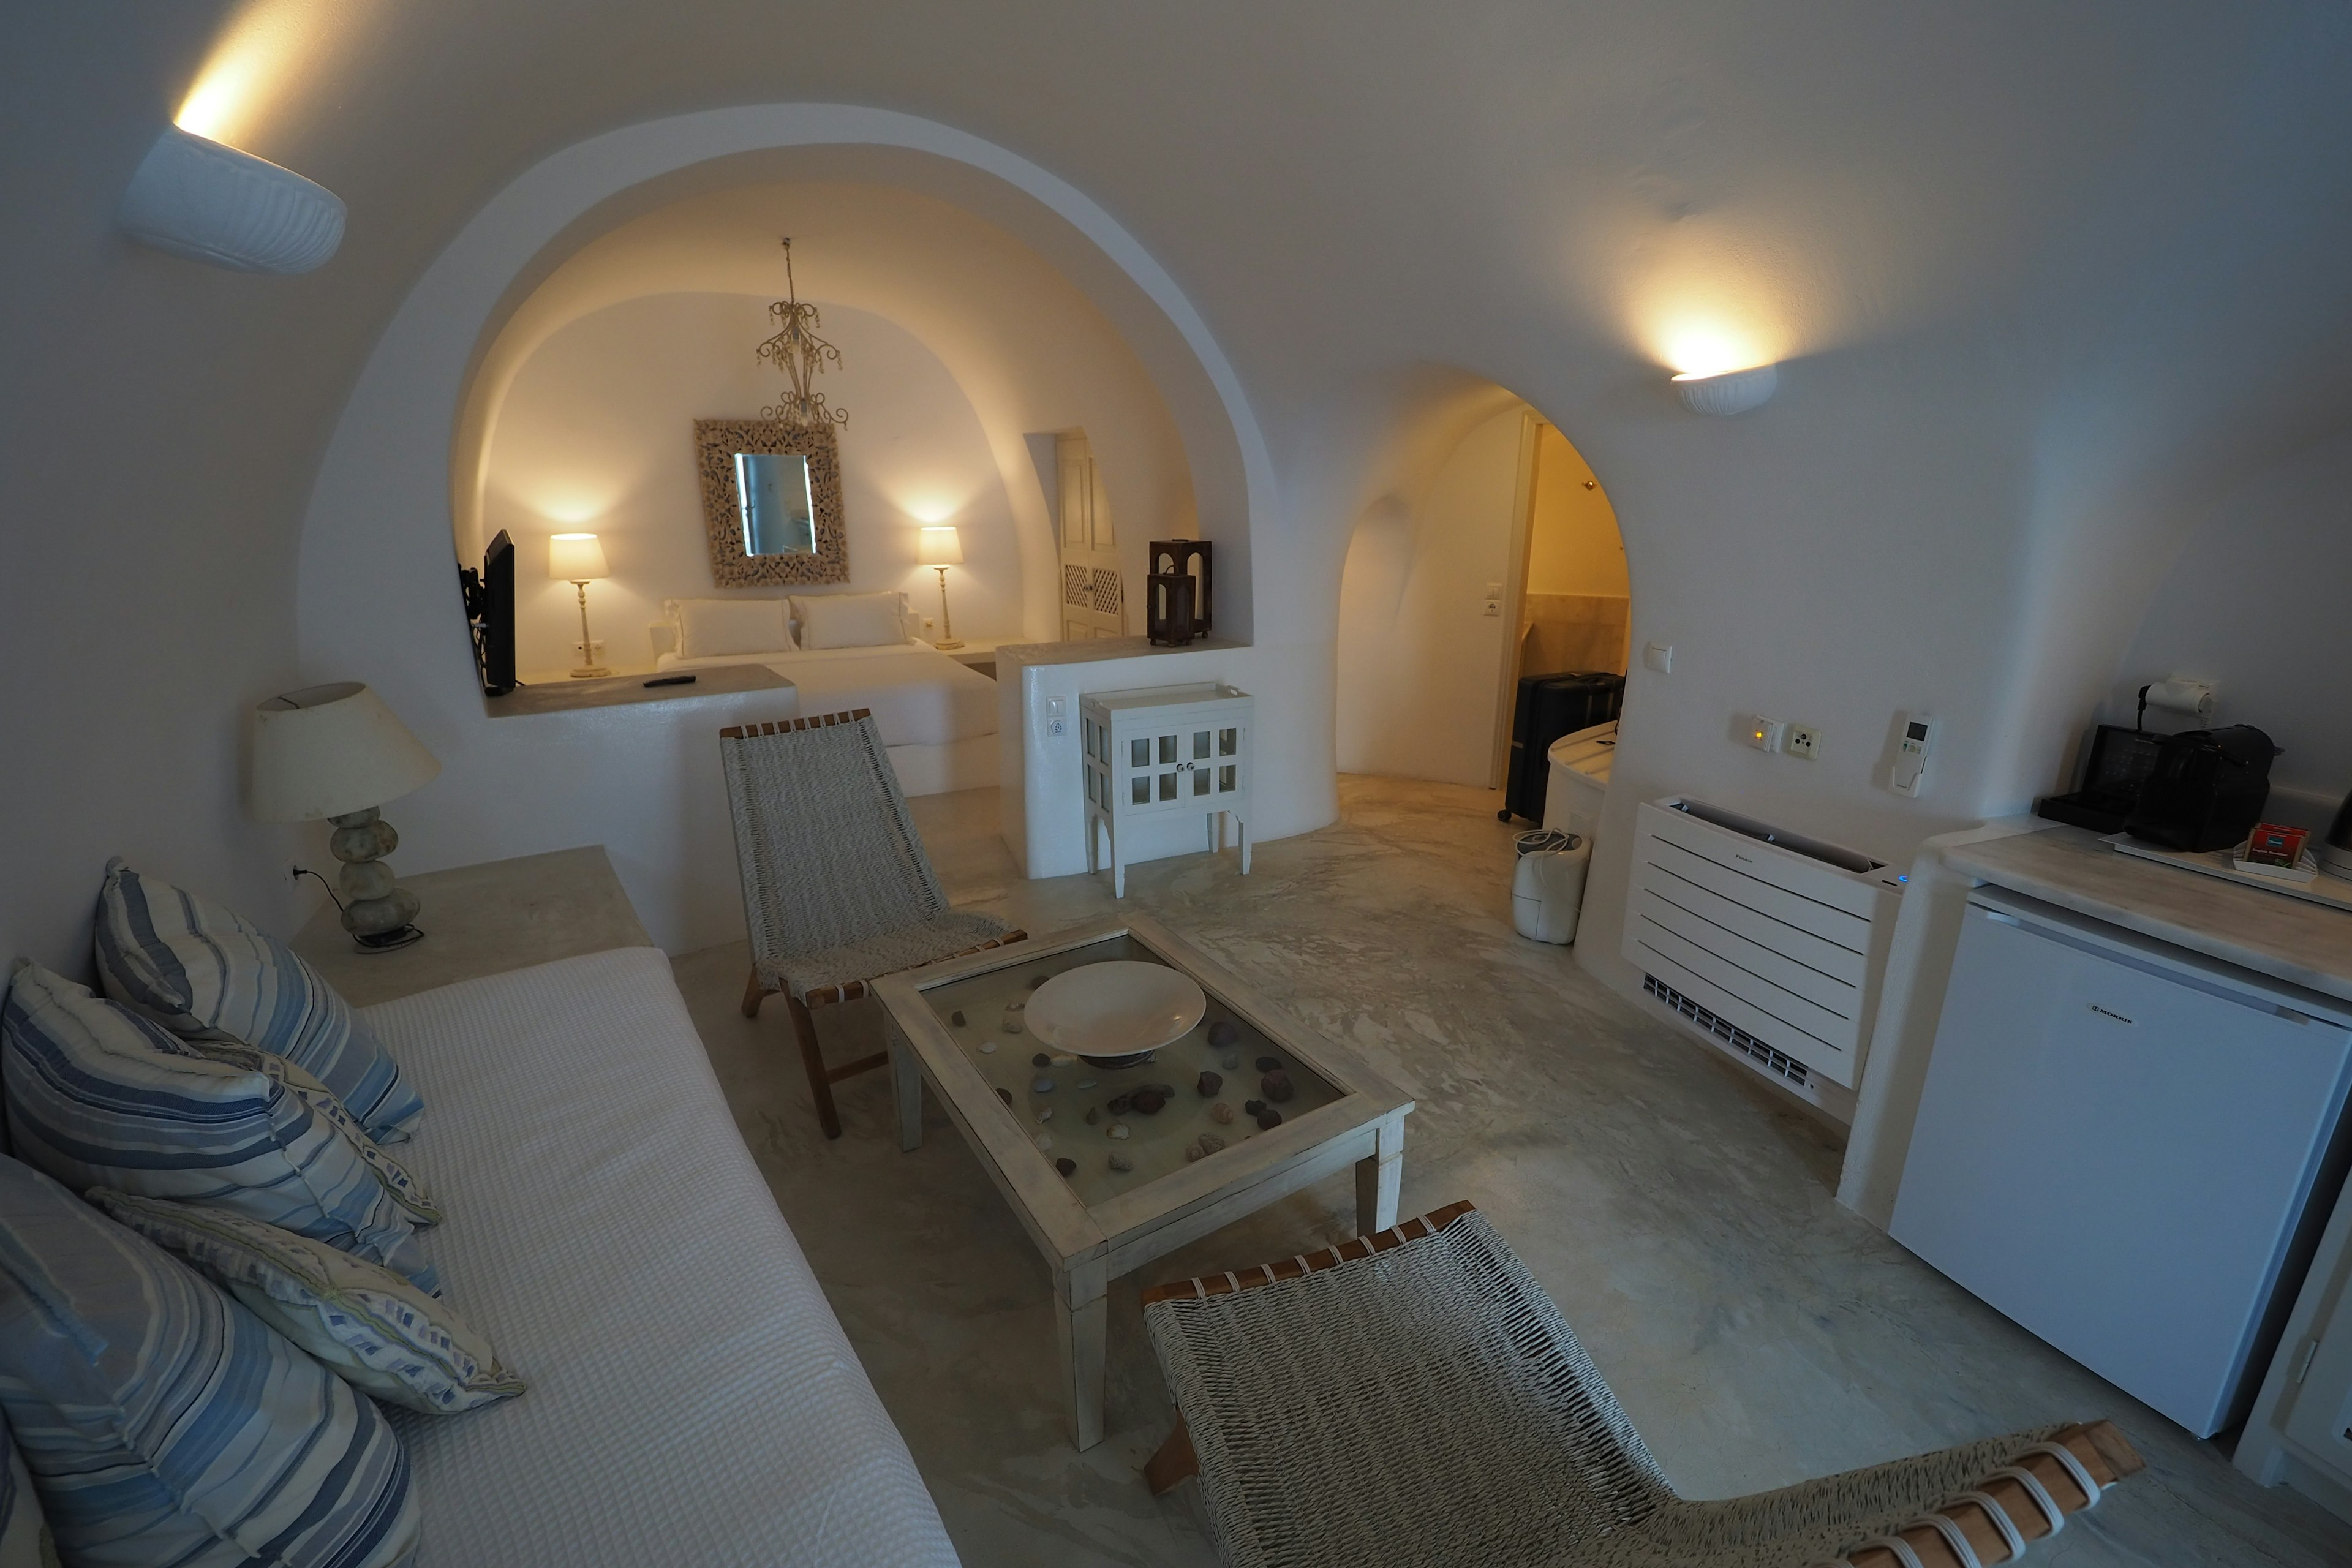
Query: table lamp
point(579, 559)
point(336, 751)
point(943, 548)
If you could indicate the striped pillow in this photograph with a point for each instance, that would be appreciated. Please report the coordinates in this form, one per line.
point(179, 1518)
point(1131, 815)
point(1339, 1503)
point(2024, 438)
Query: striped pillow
point(96, 1096)
point(164, 1423)
point(24, 1541)
point(382, 1334)
point(203, 974)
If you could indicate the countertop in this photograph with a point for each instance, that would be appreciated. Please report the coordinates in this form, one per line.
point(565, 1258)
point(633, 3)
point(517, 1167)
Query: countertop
point(483, 920)
point(569, 696)
point(1029, 653)
point(2289, 938)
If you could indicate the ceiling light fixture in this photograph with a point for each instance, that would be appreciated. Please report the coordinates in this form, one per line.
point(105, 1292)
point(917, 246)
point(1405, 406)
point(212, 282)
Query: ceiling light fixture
point(1728, 391)
point(802, 355)
point(194, 197)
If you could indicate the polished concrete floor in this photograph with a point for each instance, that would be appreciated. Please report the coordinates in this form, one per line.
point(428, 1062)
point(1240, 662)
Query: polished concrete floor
point(1678, 1212)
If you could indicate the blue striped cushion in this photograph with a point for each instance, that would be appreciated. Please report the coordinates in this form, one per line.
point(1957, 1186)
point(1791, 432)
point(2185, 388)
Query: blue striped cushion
point(380, 1333)
point(24, 1541)
point(165, 1424)
point(96, 1096)
point(202, 973)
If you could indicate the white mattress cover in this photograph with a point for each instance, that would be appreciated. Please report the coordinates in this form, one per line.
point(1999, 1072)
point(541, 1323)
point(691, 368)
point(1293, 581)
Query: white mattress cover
point(917, 695)
point(693, 1398)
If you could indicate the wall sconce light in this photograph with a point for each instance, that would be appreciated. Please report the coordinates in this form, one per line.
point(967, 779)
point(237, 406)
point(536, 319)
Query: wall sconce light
point(194, 197)
point(1728, 391)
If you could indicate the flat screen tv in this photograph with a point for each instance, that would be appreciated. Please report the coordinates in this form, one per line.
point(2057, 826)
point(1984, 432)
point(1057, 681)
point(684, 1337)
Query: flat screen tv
point(490, 614)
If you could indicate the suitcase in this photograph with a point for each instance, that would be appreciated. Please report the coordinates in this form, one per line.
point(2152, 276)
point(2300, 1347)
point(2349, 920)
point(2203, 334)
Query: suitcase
point(1547, 707)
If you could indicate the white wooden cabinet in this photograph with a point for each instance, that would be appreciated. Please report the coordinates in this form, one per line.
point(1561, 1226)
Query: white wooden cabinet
point(1162, 751)
point(2300, 1431)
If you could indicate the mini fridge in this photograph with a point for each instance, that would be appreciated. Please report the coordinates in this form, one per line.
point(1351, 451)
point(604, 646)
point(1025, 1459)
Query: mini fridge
point(2118, 1144)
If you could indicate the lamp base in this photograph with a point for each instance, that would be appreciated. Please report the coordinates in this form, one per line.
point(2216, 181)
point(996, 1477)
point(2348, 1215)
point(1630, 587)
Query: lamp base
point(593, 672)
point(387, 941)
point(949, 644)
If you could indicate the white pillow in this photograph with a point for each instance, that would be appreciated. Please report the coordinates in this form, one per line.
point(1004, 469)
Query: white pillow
point(850, 620)
point(711, 629)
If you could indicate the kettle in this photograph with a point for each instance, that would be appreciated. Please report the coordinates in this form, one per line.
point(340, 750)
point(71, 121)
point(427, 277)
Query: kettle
point(2205, 789)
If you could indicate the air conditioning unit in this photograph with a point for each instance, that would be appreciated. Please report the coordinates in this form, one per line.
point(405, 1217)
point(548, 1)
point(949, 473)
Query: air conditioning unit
point(1767, 944)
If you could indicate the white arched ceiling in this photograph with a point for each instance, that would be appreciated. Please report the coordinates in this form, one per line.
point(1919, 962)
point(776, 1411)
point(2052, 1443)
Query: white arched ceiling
point(1027, 346)
point(2048, 282)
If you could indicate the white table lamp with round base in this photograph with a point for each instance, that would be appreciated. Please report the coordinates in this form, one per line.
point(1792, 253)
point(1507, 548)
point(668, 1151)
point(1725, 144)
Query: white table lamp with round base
point(943, 548)
point(338, 752)
point(579, 559)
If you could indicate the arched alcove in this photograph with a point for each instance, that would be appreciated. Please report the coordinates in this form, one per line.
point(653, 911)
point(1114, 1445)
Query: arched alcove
point(376, 596)
point(1487, 551)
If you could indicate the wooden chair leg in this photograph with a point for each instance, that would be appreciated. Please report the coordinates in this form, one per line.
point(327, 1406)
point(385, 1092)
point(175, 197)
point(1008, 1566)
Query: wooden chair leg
point(755, 991)
point(1174, 1462)
point(820, 1082)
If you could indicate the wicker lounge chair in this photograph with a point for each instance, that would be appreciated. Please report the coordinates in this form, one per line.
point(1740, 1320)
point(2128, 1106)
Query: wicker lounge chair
point(838, 891)
point(1414, 1397)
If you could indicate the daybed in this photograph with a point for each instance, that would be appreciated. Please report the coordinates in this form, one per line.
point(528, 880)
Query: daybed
point(693, 1399)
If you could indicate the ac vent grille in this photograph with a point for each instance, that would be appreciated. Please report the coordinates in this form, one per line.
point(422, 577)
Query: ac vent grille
point(1730, 1034)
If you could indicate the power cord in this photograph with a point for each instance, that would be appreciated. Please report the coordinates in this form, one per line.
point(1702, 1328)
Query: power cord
point(301, 871)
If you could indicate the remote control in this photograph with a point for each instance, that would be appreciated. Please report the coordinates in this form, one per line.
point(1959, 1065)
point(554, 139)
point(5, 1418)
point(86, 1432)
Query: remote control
point(671, 681)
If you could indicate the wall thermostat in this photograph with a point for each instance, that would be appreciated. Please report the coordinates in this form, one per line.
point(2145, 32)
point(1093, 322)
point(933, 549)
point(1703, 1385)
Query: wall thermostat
point(1916, 735)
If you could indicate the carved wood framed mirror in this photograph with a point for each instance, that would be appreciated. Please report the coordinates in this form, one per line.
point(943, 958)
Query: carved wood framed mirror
point(771, 502)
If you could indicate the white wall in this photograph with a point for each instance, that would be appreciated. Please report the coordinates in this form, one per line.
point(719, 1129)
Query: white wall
point(2260, 602)
point(1418, 658)
point(595, 434)
point(1573, 542)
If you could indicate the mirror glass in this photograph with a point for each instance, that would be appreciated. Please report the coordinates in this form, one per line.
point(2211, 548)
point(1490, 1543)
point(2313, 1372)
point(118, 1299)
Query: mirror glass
point(773, 503)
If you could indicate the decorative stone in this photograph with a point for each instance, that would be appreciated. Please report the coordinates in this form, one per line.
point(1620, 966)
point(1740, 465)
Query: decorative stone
point(1046, 1114)
point(1118, 1104)
point(1119, 1129)
point(1011, 1025)
point(1093, 1116)
point(1119, 1162)
point(1193, 1151)
point(1041, 1061)
point(1252, 1106)
point(1221, 1113)
point(1208, 1083)
point(1046, 1141)
point(956, 1017)
point(1068, 1166)
point(1086, 1083)
point(1035, 980)
point(1045, 1086)
point(1232, 1062)
point(1164, 1091)
point(1268, 1120)
point(1004, 1094)
point(1276, 1086)
point(1223, 1034)
point(1148, 1102)
point(1267, 1064)
point(1211, 1143)
point(987, 1047)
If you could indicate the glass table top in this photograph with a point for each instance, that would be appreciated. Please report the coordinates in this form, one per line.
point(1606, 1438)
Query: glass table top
point(1111, 1130)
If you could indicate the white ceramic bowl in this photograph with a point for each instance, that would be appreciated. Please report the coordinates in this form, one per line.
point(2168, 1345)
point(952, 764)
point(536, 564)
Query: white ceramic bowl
point(1118, 1009)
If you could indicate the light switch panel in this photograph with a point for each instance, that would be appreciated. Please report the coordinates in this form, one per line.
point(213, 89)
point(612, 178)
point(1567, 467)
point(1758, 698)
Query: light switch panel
point(1660, 656)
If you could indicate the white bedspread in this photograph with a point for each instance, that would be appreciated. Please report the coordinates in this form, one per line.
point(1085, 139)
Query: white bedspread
point(919, 696)
point(693, 1398)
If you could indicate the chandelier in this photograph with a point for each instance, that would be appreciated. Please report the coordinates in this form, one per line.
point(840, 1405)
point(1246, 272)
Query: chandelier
point(802, 355)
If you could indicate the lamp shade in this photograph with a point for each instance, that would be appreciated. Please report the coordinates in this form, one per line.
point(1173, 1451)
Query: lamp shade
point(942, 547)
point(1728, 392)
point(328, 750)
point(575, 557)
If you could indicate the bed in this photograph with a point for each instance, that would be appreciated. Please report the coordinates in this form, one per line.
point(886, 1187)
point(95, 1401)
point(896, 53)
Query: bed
point(938, 717)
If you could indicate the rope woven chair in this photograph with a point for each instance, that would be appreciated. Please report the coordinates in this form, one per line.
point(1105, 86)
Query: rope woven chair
point(838, 891)
point(1414, 1397)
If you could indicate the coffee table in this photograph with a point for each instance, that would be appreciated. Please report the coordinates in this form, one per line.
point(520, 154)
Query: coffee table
point(1094, 1222)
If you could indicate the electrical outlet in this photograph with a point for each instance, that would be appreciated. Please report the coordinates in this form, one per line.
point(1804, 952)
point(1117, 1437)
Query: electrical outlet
point(1057, 718)
point(1492, 609)
point(1801, 741)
